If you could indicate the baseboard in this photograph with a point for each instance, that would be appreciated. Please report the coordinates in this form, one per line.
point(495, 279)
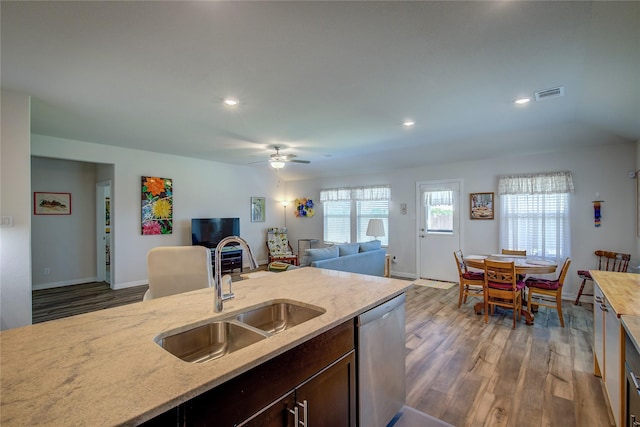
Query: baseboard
point(125, 285)
point(42, 286)
point(404, 275)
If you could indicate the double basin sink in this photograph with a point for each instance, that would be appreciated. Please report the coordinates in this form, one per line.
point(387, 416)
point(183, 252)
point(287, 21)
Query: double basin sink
point(217, 338)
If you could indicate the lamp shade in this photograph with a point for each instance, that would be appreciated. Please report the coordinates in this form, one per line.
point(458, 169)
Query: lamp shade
point(375, 228)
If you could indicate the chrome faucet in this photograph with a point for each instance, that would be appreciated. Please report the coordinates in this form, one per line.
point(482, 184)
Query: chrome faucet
point(218, 296)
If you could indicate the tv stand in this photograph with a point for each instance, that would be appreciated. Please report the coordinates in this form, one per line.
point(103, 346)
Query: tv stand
point(231, 259)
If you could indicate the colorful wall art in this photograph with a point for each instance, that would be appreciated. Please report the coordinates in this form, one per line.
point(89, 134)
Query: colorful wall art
point(157, 205)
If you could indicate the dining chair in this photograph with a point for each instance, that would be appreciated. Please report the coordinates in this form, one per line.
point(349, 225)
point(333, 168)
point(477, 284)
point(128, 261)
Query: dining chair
point(176, 269)
point(547, 293)
point(607, 261)
point(502, 288)
point(471, 282)
point(514, 252)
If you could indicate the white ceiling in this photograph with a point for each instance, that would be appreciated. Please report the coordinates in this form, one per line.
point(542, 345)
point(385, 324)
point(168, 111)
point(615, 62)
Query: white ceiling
point(327, 78)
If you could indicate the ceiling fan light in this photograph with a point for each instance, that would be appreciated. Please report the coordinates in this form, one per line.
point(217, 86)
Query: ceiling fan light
point(276, 164)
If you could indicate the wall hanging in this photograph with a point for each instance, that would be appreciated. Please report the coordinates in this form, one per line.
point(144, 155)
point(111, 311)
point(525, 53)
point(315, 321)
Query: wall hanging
point(51, 203)
point(304, 207)
point(481, 205)
point(257, 209)
point(157, 205)
point(596, 212)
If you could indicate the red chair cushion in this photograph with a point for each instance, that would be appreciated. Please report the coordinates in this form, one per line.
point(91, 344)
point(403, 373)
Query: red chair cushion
point(534, 282)
point(507, 286)
point(584, 274)
point(473, 275)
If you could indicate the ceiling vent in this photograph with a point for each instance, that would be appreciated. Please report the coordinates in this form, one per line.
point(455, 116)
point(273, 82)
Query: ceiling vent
point(555, 92)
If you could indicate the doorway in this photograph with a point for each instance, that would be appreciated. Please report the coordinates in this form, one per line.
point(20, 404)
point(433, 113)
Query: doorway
point(103, 231)
point(438, 206)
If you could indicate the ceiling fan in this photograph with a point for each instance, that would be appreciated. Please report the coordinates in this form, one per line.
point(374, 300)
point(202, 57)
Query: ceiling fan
point(277, 160)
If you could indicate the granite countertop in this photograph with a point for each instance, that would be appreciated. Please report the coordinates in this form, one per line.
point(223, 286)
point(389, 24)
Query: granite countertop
point(622, 290)
point(104, 367)
point(631, 324)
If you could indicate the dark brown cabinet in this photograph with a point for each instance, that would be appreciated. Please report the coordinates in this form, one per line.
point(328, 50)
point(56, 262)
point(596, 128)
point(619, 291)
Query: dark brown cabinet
point(327, 399)
point(320, 371)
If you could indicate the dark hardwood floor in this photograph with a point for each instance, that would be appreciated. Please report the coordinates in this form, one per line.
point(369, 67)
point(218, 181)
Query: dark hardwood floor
point(459, 369)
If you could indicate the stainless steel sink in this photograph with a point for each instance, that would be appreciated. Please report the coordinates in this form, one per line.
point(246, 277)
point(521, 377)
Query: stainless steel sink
point(209, 341)
point(278, 316)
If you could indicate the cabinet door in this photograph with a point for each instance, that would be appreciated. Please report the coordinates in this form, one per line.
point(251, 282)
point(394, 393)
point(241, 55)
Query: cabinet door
point(598, 331)
point(612, 360)
point(279, 414)
point(330, 396)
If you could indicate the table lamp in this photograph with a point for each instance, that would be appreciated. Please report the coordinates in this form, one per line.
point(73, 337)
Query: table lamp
point(375, 228)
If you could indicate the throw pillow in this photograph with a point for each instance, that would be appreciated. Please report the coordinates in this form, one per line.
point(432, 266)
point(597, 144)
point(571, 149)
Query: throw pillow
point(370, 246)
point(311, 255)
point(348, 249)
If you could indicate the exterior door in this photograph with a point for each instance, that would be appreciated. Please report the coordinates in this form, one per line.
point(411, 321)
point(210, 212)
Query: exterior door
point(438, 207)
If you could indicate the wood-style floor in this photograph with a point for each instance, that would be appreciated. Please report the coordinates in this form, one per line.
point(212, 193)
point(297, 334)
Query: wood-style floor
point(459, 369)
point(469, 373)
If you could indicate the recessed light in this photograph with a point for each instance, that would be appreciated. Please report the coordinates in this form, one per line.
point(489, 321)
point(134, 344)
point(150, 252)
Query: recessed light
point(231, 102)
point(521, 101)
point(408, 123)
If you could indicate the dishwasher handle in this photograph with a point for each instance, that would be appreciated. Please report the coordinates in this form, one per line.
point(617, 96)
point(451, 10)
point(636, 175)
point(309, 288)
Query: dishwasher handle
point(381, 311)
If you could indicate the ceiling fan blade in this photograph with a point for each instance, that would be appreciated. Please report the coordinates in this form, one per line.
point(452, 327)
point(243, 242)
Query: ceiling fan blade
point(299, 161)
point(258, 161)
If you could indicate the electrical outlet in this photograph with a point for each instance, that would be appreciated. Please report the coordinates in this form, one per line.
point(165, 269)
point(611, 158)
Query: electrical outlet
point(47, 271)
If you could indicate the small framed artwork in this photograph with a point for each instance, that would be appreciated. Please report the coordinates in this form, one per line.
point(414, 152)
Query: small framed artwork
point(257, 209)
point(51, 203)
point(481, 205)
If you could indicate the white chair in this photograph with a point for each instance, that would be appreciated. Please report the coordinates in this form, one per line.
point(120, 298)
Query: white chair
point(176, 269)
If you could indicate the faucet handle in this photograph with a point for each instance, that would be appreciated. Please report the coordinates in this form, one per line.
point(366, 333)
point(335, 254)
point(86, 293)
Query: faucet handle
point(226, 279)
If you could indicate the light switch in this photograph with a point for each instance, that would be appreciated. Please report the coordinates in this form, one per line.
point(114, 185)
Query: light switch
point(6, 221)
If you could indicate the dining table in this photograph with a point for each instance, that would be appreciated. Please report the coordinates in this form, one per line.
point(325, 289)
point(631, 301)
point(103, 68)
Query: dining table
point(524, 266)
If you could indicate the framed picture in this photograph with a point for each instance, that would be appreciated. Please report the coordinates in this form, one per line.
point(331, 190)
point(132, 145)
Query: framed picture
point(157, 205)
point(481, 205)
point(257, 209)
point(51, 203)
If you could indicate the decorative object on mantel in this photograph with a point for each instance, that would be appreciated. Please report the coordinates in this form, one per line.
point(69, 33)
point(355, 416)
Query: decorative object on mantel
point(596, 211)
point(304, 207)
point(257, 209)
point(481, 205)
point(157, 205)
point(51, 203)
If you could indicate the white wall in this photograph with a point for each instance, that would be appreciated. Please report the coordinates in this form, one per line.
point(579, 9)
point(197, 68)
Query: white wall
point(64, 244)
point(601, 169)
point(201, 189)
point(15, 202)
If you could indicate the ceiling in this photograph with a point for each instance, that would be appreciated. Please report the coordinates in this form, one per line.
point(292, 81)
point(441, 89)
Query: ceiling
point(331, 82)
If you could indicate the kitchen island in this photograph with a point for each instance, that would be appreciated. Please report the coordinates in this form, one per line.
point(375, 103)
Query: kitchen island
point(105, 368)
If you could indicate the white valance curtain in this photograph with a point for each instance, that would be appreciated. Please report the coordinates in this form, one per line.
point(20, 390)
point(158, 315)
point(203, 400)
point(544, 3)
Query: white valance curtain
point(539, 183)
point(439, 198)
point(378, 192)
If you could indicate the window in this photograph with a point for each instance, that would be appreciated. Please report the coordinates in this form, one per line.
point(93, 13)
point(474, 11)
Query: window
point(535, 214)
point(439, 205)
point(337, 221)
point(347, 212)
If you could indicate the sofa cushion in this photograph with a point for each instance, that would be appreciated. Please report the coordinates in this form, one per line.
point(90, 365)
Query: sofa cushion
point(311, 255)
point(348, 249)
point(370, 246)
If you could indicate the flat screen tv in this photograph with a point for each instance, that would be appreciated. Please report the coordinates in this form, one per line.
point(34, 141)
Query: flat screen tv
point(209, 231)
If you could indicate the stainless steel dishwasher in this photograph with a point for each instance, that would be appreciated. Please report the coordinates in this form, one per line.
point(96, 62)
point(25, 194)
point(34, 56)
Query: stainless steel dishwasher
point(381, 363)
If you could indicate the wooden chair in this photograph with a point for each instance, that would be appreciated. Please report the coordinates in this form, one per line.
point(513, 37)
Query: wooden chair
point(176, 269)
point(279, 247)
point(547, 293)
point(607, 261)
point(514, 252)
point(471, 282)
point(502, 288)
